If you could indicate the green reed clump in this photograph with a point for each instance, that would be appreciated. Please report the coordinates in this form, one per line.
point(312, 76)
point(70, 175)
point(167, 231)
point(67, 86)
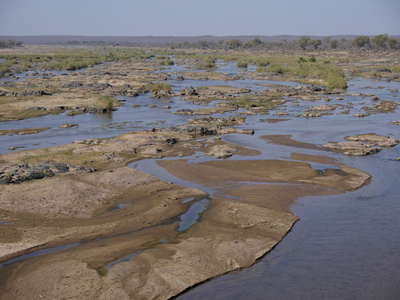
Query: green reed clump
point(105, 103)
point(242, 64)
point(158, 86)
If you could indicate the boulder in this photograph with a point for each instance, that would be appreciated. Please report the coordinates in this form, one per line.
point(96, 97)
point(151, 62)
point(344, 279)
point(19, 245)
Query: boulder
point(72, 85)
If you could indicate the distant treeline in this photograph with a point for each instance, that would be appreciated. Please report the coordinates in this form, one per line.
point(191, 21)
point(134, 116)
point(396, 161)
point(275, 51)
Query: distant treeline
point(381, 41)
point(10, 44)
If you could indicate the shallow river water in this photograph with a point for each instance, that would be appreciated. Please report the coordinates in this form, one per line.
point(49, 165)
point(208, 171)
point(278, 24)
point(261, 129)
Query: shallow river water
point(344, 246)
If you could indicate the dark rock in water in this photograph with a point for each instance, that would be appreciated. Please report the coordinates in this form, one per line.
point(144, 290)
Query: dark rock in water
point(97, 110)
point(374, 98)
point(180, 78)
point(162, 94)
point(184, 111)
point(19, 173)
point(72, 85)
point(188, 92)
point(185, 129)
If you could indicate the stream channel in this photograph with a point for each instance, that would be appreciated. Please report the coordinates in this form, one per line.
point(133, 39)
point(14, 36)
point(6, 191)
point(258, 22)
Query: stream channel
point(344, 246)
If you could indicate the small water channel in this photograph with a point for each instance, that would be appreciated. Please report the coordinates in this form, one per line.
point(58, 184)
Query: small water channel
point(344, 246)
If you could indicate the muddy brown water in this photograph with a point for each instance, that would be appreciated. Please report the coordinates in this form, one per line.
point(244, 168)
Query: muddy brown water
point(344, 246)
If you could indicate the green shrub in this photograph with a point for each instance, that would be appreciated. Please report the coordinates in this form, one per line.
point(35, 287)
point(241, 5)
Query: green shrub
point(104, 102)
point(262, 63)
point(158, 86)
point(261, 69)
point(242, 64)
point(277, 68)
point(302, 60)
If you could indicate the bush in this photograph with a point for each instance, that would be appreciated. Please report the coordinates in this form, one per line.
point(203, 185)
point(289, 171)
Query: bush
point(392, 43)
point(380, 40)
point(361, 41)
point(242, 64)
point(105, 103)
point(263, 63)
point(302, 42)
point(302, 60)
point(276, 68)
point(158, 86)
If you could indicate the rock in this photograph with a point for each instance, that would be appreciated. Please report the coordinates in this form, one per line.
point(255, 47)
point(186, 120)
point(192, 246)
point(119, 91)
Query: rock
point(325, 107)
point(10, 174)
point(97, 86)
point(33, 93)
point(360, 115)
point(188, 92)
point(282, 113)
point(37, 108)
point(162, 94)
point(221, 151)
point(311, 114)
point(374, 98)
point(179, 78)
point(72, 85)
point(395, 122)
point(184, 111)
point(68, 125)
point(353, 148)
point(374, 139)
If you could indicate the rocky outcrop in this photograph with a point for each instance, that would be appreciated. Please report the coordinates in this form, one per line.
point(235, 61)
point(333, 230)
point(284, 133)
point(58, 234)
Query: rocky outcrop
point(72, 85)
point(186, 129)
point(325, 107)
point(162, 94)
point(191, 91)
point(353, 148)
point(374, 139)
point(311, 114)
point(17, 173)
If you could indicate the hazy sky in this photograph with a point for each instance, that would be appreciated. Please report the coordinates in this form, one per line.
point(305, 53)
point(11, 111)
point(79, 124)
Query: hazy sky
point(199, 17)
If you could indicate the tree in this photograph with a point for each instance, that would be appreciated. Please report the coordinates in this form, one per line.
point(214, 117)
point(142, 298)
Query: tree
point(256, 42)
point(392, 43)
point(233, 44)
point(361, 41)
point(315, 43)
point(302, 42)
point(10, 43)
point(380, 40)
point(334, 44)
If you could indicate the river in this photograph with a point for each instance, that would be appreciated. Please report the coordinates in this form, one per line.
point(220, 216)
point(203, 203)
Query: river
point(344, 246)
